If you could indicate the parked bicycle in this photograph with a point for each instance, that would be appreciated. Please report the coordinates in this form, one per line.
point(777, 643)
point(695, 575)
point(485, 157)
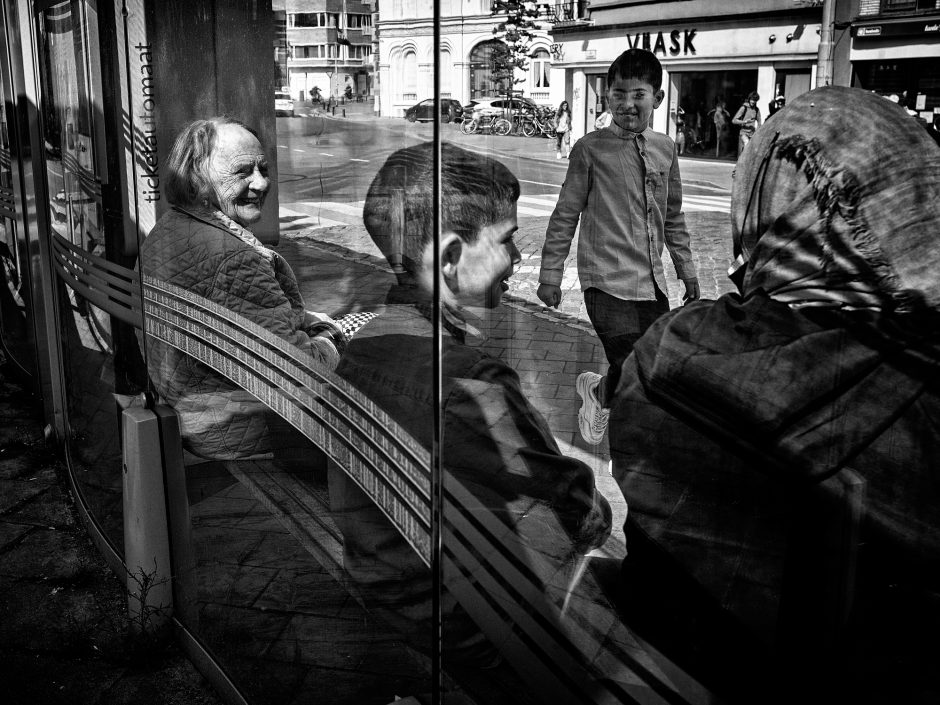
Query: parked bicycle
point(538, 122)
point(482, 123)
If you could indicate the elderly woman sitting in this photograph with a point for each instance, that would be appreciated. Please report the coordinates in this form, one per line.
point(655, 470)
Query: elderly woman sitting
point(216, 182)
point(827, 358)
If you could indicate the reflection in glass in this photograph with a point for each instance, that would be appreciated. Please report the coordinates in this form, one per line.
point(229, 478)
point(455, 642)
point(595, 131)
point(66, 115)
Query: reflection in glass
point(14, 292)
point(71, 113)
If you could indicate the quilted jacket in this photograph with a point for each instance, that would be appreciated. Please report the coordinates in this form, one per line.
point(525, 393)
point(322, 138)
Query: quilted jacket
point(219, 419)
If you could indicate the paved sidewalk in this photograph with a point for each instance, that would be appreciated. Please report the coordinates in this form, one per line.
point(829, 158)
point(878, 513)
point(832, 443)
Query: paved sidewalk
point(64, 637)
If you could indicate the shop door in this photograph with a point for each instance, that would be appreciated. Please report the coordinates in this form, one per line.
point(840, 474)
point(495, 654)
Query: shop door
point(790, 84)
point(702, 96)
point(595, 100)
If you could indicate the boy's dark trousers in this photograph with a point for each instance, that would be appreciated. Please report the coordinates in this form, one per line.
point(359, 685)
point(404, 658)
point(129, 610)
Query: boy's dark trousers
point(619, 324)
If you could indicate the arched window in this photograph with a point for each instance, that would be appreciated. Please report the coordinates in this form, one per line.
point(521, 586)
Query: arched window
point(447, 68)
point(481, 70)
point(409, 76)
point(540, 71)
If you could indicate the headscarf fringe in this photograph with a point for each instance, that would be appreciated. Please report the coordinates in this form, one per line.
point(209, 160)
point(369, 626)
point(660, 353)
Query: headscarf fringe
point(838, 192)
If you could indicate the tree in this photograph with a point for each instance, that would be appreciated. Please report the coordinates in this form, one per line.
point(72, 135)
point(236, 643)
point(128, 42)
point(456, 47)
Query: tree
point(516, 32)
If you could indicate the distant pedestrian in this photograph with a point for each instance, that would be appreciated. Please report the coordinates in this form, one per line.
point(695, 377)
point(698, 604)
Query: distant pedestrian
point(748, 119)
point(563, 130)
point(623, 186)
point(722, 118)
point(680, 131)
point(775, 105)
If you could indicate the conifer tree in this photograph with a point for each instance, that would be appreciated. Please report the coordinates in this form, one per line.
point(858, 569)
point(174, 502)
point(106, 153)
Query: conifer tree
point(516, 32)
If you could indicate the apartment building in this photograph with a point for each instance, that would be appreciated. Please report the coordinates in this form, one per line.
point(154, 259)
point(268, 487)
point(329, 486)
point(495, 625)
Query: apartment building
point(406, 51)
point(892, 47)
point(327, 45)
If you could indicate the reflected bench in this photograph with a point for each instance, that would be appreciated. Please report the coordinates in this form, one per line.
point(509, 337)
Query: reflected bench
point(565, 648)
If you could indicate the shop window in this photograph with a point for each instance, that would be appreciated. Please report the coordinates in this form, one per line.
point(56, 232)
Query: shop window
point(896, 6)
point(409, 76)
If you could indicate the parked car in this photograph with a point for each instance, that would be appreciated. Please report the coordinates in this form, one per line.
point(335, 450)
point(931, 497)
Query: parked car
point(497, 106)
point(451, 110)
point(283, 104)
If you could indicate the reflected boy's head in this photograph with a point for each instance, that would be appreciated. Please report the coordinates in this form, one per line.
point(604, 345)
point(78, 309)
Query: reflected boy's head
point(638, 64)
point(478, 218)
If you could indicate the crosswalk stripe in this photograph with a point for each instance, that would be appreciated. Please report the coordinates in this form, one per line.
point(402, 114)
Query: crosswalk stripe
point(295, 220)
point(718, 200)
point(525, 210)
point(352, 208)
point(309, 214)
point(539, 201)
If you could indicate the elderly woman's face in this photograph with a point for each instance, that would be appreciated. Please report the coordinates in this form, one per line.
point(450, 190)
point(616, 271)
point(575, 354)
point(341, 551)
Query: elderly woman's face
point(239, 172)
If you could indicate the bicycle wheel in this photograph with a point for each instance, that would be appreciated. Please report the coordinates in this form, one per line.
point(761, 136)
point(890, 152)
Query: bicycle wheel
point(529, 129)
point(468, 127)
point(502, 127)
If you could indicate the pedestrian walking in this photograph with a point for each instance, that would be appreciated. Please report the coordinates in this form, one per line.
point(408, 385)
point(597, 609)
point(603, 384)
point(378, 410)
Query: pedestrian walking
point(623, 185)
point(563, 130)
point(748, 119)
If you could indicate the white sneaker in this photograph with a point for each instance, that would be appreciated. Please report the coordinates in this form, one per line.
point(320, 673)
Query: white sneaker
point(592, 417)
point(557, 155)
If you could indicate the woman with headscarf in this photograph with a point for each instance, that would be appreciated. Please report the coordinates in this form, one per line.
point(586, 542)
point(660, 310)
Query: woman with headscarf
point(827, 357)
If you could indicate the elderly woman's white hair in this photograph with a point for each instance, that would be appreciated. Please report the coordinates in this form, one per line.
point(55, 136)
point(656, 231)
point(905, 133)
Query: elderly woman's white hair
point(187, 181)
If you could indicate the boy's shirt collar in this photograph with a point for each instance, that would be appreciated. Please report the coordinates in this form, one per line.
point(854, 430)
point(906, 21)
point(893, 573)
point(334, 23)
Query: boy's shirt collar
point(626, 134)
point(453, 319)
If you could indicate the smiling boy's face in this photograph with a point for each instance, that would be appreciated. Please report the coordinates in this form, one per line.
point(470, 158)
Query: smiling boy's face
point(632, 102)
point(485, 265)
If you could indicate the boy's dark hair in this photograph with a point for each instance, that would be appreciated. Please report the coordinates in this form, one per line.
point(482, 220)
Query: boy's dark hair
point(187, 182)
point(640, 64)
point(476, 191)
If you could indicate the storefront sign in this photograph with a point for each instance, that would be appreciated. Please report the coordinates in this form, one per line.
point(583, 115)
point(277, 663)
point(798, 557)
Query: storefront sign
point(680, 41)
point(897, 29)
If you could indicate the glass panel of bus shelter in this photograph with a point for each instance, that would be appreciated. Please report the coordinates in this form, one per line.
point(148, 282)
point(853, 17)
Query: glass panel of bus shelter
point(95, 359)
point(15, 330)
point(534, 608)
point(277, 577)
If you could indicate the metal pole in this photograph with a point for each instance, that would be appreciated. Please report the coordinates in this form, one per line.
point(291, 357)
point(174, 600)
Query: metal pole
point(824, 57)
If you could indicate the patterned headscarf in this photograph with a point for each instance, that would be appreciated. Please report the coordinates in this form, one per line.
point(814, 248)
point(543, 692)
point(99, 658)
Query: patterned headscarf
point(836, 202)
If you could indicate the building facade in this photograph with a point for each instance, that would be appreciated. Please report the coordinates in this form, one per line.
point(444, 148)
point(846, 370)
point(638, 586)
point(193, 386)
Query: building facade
point(893, 48)
point(710, 51)
point(406, 51)
point(326, 45)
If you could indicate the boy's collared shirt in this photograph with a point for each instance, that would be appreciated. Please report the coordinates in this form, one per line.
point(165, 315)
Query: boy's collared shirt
point(626, 190)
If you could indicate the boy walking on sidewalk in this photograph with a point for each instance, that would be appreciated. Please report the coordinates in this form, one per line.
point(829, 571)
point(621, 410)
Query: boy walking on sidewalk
point(623, 185)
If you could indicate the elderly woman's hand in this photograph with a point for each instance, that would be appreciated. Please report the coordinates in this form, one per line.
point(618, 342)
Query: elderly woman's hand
point(320, 324)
